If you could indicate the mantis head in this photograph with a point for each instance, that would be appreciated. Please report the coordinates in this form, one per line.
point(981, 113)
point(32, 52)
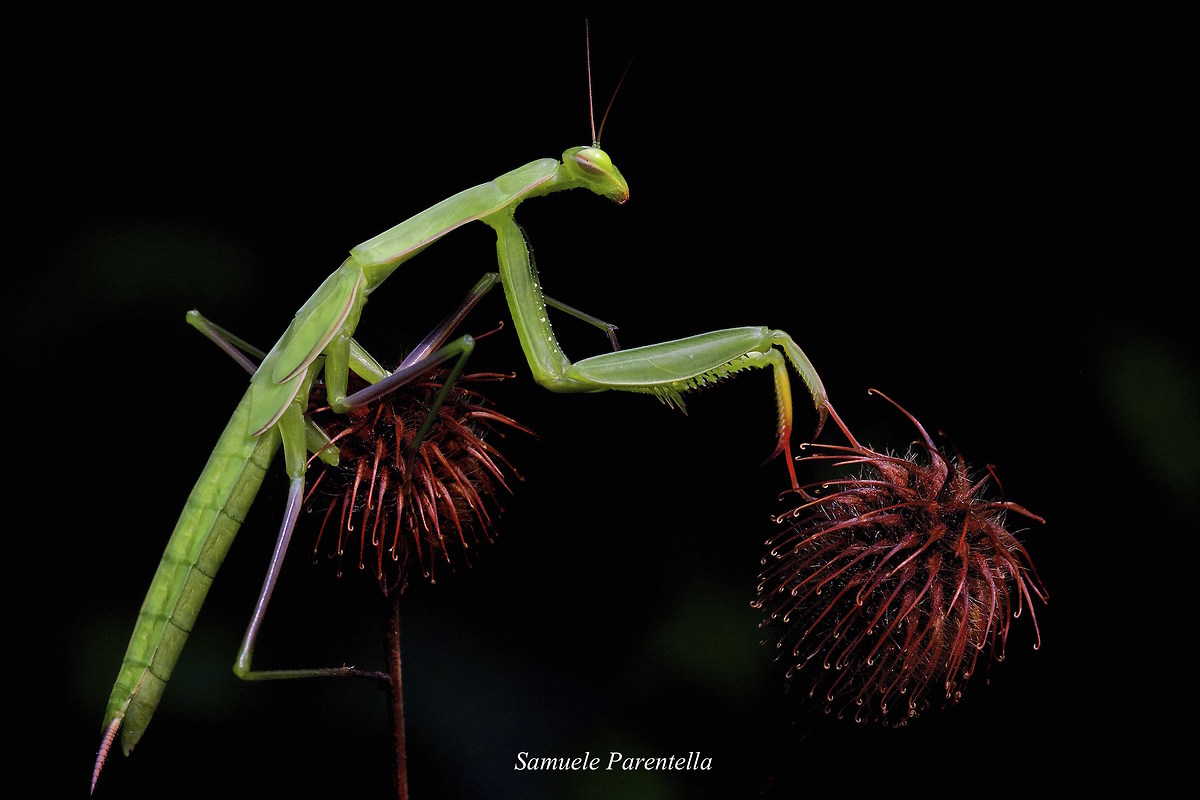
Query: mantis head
point(590, 167)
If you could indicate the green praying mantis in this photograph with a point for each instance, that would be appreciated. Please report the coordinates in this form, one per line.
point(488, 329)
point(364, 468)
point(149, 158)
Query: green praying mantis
point(319, 343)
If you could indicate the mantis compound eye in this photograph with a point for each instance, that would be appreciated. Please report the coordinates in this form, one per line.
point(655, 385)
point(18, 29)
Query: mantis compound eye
point(593, 161)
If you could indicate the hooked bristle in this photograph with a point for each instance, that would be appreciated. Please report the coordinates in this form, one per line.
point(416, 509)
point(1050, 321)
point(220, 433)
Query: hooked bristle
point(396, 507)
point(885, 588)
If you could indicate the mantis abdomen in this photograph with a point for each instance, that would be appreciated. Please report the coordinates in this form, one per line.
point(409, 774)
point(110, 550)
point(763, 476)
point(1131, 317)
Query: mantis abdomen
point(210, 520)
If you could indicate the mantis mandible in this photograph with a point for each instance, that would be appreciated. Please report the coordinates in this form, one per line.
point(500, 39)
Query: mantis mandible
point(271, 414)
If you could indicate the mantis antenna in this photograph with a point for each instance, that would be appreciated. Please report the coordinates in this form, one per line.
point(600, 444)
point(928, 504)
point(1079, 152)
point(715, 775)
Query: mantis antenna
point(587, 46)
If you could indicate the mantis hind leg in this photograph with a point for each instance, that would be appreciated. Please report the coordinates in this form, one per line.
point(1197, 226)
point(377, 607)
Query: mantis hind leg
point(249, 356)
point(435, 351)
point(291, 428)
point(236, 348)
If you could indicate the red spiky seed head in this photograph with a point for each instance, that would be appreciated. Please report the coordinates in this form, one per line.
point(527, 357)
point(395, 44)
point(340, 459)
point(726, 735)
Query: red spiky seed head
point(399, 509)
point(884, 589)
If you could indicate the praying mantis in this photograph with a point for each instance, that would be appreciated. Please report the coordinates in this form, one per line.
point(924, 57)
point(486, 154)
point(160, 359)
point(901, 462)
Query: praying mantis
point(319, 344)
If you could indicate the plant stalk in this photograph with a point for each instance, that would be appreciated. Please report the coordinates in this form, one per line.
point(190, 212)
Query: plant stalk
point(396, 695)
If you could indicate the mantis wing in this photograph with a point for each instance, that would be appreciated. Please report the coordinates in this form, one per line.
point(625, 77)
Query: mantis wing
point(310, 332)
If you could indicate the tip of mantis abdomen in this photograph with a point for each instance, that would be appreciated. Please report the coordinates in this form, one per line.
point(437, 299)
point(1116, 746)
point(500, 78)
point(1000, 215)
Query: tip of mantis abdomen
point(110, 733)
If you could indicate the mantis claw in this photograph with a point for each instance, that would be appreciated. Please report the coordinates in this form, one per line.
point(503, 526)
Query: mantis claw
point(612, 336)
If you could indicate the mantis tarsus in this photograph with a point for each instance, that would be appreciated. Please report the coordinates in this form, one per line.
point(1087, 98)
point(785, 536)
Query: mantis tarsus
point(271, 414)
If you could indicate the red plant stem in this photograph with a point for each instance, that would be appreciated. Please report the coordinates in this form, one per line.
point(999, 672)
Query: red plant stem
point(396, 695)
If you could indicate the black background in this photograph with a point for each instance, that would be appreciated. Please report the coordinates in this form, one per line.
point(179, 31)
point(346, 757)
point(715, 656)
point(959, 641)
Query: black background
point(989, 218)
